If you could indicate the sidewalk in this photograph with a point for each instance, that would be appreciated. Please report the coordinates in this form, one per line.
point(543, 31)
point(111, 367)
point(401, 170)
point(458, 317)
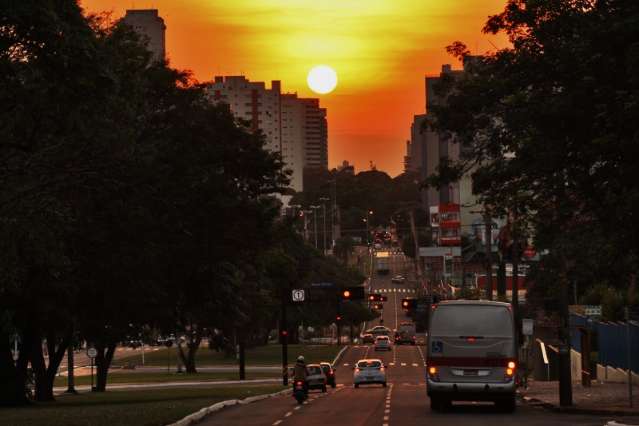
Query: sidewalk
point(599, 399)
point(133, 386)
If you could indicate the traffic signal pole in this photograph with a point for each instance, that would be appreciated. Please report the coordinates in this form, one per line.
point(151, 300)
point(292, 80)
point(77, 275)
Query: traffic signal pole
point(284, 340)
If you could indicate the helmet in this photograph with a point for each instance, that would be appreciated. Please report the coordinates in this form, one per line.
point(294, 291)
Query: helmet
point(300, 358)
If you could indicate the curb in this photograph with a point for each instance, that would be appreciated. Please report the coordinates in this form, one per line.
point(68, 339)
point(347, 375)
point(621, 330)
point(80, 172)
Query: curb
point(339, 355)
point(576, 410)
point(200, 414)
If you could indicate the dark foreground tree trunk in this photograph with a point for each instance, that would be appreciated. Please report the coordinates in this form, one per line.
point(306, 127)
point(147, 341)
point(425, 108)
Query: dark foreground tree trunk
point(103, 362)
point(11, 386)
point(188, 359)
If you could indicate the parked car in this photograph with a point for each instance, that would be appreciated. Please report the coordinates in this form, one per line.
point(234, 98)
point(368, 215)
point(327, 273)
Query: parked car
point(398, 279)
point(382, 343)
point(316, 378)
point(368, 338)
point(367, 371)
point(329, 372)
point(471, 353)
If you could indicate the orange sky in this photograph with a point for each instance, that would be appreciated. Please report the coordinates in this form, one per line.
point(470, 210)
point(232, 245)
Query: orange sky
point(380, 49)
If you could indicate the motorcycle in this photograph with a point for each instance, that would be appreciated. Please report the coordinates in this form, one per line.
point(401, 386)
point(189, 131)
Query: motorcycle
point(299, 393)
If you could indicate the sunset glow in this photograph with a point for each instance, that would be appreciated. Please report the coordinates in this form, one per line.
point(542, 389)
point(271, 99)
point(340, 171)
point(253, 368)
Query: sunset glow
point(322, 79)
point(381, 48)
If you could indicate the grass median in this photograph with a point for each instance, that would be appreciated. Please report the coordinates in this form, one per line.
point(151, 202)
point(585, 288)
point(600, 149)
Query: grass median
point(116, 377)
point(260, 355)
point(123, 408)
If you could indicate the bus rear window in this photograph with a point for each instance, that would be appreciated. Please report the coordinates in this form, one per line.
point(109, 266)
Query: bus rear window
point(471, 320)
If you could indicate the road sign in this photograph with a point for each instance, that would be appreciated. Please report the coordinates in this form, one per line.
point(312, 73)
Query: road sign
point(527, 326)
point(298, 295)
point(92, 353)
point(592, 310)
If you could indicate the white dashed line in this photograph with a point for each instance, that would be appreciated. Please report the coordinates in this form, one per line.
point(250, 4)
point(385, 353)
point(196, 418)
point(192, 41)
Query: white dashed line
point(277, 423)
point(290, 413)
point(403, 364)
point(392, 364)
point(415, 364)
point(297, 408)
point(386, 411)
point(346, 364)
point(386, 418)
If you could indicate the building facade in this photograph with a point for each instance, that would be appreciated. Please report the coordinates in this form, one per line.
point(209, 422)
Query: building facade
point(295, 127)
point(149, 24)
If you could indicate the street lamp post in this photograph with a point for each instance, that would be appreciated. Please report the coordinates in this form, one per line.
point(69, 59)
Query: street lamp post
point(324, 200)
point(315, 222)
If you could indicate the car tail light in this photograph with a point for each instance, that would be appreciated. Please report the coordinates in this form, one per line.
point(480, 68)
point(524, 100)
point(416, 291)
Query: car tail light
point(381, 368)
point(432, 371)
point(510, 369)
point(357, 370)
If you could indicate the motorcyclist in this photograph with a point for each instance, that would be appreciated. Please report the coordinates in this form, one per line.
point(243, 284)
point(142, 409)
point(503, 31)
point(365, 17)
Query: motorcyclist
point(300, 373)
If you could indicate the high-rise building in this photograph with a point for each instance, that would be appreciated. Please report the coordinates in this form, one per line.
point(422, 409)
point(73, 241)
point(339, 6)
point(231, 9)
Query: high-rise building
point(315, 135)
point(150, 25)
point(294, 127)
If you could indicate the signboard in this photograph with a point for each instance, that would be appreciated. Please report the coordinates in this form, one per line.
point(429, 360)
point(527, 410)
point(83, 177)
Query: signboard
point(322, 285)
point(439, 251)
point(298, 295)
point(586, 310)
point(527, 326)
point(92, 353)
point(592, 310)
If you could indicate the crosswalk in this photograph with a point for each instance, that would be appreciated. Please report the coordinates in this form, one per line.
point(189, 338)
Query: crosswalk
point(393, 364)
point(395, 290)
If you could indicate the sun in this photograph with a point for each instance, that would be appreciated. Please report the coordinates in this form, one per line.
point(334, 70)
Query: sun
point(322, 79)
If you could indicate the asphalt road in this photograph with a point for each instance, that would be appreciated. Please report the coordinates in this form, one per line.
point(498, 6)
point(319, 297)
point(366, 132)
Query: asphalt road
point(403, 402)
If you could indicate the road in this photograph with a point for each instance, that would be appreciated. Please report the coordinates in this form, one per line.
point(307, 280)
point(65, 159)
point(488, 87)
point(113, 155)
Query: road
point(403, 402)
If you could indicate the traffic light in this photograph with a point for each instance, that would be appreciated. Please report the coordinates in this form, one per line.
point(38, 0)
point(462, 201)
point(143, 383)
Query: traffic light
point(408, 304)
point(352, 293)
point(375, 297)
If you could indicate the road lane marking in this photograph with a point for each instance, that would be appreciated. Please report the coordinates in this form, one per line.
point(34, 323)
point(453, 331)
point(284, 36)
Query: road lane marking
point(277, 423)
point(297, 408)
point(386, 418)
point(415, 364)
point(403, 364)
point(386, 411)
point(346, 364)
point(392, 364)
point(290, 413)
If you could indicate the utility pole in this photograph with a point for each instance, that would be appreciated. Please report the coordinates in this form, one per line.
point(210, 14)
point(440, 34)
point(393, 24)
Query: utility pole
point(628, 356)
point(565, 379)
point(418, 266)
point(284, 339)
point(315, 222)
point(488, 221)
point(324, 200)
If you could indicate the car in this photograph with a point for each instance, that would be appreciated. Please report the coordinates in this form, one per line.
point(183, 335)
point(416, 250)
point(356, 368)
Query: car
point(329, 372)
point(368, 338)
point(398, 279)
point(404, 337)
point(471, 353)
point(379, 330)
point(315, 378)
point(382, 343)
point(369, 371)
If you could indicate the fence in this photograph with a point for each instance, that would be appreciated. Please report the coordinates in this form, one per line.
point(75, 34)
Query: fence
point(610, 341)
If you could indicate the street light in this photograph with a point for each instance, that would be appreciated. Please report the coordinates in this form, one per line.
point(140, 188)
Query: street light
point(315, 222)
point(323, 200)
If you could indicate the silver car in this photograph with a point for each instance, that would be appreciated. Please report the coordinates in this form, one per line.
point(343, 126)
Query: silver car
point(471, 353)
point(316, 378)
point(382, 343)
point(369, 371)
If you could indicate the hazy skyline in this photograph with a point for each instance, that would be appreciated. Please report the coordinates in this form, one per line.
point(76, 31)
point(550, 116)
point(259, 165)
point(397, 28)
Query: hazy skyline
point(380, 49)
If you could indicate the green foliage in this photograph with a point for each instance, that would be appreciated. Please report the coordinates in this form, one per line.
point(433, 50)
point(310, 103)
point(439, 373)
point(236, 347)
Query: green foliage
point(548, 132)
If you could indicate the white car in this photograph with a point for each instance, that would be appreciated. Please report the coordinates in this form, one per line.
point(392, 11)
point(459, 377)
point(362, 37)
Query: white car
point(369, 371)
point(382, 343)
point(316, 378)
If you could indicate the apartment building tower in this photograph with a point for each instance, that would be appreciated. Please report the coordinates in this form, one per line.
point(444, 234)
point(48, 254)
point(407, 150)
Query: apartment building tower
point(149, 24)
